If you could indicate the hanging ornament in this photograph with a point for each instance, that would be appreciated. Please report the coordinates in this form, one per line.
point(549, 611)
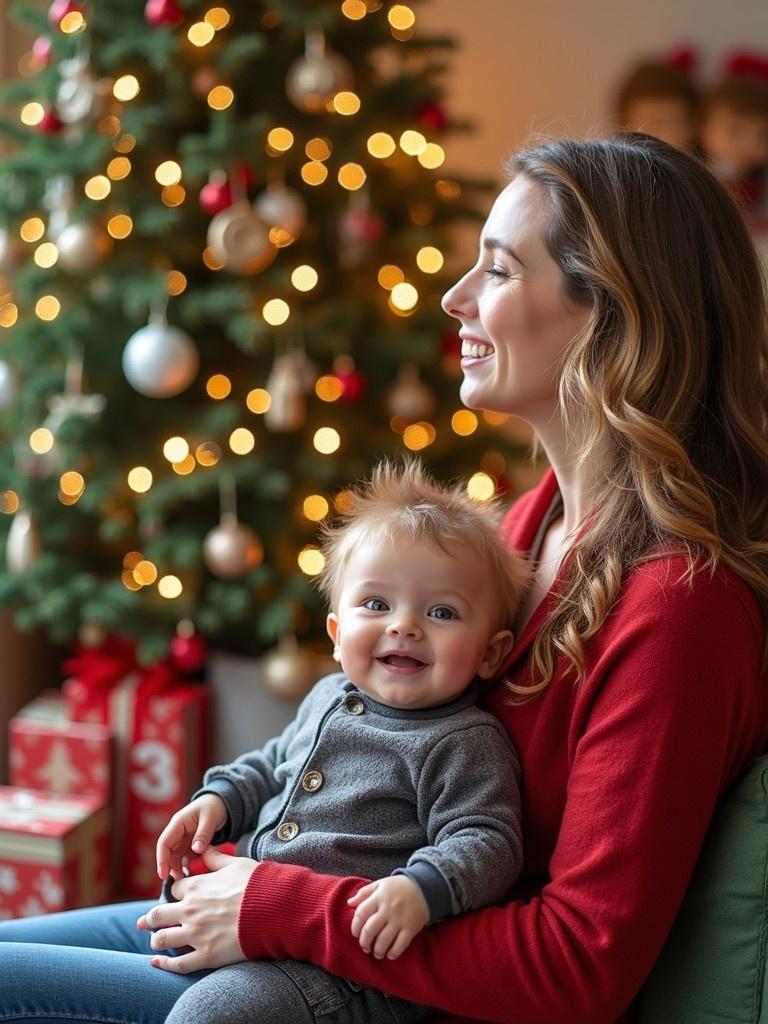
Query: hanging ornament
point(73, 402)
point(359, 229)
point(217, 194)
point(11, 251)
point(239, 239)
point(187, 649)
point(314, 79)
point(23, 547)
point(59, 9)
point(410, 398)
point(9, 385)
point(82, 247)
point(49, 123)
point(353, 383)
point(163, 12)
point(231, 549)
point(306, 369)
point(79, 95)
point(288, 670)
point(160, 361)
point(42, 51)
point(432, 115)
point(285, 385)
point(282, 207)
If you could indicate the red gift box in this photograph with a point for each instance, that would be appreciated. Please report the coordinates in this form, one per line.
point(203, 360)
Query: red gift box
point(47, 751)
point(54, 852)
point(160, 727)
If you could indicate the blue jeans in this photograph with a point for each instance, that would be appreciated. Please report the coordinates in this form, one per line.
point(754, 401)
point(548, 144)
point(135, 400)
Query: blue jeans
point(92, 966)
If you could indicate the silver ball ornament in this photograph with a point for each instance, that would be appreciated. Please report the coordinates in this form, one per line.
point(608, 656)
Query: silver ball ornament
point(9, 384)
point(282, 207)
point(313, 80)
point(82, 247)
point(160, 361)
point(239, 239)
point(231, 549)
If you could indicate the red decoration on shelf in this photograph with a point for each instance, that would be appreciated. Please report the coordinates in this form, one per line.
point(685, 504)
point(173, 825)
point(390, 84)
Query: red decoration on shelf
point(748, 65)
point(42, 49)
point(59, 9)
point(683, 58)
point(49, 123)
point(188, 652)
point(217, 194)
point(353, 383)
point(433, 116)
point(163, 12)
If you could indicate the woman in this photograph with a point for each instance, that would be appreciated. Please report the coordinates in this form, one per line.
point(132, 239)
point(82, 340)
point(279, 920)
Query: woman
point(617, 306)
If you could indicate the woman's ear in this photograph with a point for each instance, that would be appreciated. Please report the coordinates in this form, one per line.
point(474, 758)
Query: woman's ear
point(499, 647)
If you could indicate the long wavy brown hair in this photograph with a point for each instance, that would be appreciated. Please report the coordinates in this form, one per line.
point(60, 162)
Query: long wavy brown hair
point(670, 377)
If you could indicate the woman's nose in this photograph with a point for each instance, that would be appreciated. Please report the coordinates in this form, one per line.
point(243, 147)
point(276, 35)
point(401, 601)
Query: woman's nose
point(458, 301)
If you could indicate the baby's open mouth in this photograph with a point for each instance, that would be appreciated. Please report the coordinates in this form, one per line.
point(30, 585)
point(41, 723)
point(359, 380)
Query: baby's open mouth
point(401, 661)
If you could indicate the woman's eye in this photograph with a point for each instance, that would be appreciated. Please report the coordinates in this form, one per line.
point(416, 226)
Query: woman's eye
point(443, 612)
point(496, 272)
point(375, 604)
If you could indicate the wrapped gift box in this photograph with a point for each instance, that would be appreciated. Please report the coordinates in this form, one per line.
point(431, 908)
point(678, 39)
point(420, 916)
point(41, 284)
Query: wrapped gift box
point(160, 727)
point(48, 751)
point(54, 852)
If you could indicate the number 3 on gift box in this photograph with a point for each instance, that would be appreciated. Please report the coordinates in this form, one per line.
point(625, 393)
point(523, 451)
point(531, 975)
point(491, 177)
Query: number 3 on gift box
point(153, 771)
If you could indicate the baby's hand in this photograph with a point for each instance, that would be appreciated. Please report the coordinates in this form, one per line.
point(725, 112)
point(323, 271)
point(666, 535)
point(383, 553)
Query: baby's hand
point(390, 912)
point(190, 829)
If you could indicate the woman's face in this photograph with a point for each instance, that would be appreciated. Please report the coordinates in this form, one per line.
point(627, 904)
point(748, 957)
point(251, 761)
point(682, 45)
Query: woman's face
point(516, 323)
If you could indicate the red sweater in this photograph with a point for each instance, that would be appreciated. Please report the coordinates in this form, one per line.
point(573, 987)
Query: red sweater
point(621, 773)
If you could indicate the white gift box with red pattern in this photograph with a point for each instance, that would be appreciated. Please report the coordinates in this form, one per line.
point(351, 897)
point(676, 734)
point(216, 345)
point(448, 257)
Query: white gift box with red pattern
point(54, 852)
point(50, 752)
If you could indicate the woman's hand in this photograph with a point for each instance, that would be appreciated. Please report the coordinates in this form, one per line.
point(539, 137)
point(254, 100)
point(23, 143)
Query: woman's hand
point(204, 918)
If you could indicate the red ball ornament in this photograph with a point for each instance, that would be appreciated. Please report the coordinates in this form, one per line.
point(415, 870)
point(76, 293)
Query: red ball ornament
point(59, 9)
point(163, 12)
point(188, 653)
point(42, 50)
point(49, 123)
point(217, 194)
point(433, 116)
point(353, 383)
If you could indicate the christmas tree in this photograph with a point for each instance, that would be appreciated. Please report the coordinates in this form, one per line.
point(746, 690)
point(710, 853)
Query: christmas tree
point(222, 243)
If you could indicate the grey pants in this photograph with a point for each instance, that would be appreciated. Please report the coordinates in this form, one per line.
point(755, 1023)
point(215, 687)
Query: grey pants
point(287, 992)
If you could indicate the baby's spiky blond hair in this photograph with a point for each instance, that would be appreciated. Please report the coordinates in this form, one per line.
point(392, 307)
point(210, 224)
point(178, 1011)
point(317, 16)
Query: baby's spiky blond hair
point(402, 501)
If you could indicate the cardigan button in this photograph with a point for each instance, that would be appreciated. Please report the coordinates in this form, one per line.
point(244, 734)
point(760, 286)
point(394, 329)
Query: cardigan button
point(312, 781)
point(287, 831)
point(354, 705)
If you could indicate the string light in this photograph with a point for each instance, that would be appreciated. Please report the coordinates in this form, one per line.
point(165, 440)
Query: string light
point(429, 259)
point(118, 168)
point(304, 278)
point(98, 187)
point(72, 483)
point(464, 422)
point(173, 195)
point(185, 467)
point(218, 386)
point(128, 581)
point(145, 572)
point(401, 17)
point(280, 139)
point(120, 226)
point(389, 275)
point(131, 560)
point(418, 435)
point(210, 260)
point(170, 587)
point(315, 508)
point(126, 88)
point(48, 307)
point(32, 230)
point(126, 144)
point(218, 18)
point(381, 145)
point(31, 114)
point(412, 142)
point(220, 97)
point(314, 173)
point(311, 560)
point(109, 125)
point(404, 296)
point(175, 282)
point(481, 487)
point(168, 173)
point(200, 34)
point(9, 314)
point(258, 401)
point(140, 479)
point(176, 449)
point(351, 176)
point(493, 463)
point(328, 388)
point(318, 149)
point(346, 103)
point(242, 441)
point(9, 502)
point(208, 454)
point(431, 156)
point(72, 22)
point(276, 312)
point(326, 440)
point(46, 255)
point(355, 10)
point(41, 440)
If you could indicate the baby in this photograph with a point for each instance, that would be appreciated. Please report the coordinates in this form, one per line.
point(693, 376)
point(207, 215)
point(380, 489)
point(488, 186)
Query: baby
point(389, 770)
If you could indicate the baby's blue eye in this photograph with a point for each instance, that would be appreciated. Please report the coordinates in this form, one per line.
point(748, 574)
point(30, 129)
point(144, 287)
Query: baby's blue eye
point(375, 604)
point(442, 611)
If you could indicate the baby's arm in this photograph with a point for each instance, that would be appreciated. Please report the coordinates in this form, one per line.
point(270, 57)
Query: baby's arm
point(189, 830)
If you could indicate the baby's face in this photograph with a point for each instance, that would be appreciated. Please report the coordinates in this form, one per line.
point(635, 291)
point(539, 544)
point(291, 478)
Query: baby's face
point(414, 625)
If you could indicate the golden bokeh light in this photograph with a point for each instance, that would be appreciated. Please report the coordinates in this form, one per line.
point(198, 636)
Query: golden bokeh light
point(145, 572)
point(351, 176)
point(494, 463)
point(175, 282)
point(210, 260)
point(416, 436)
point(311, 560)
point(355, 10)
point(47, 307)
point(381, 145)
point(401, 17)
point(98, 187)
point(185, 467)
point(432, 156)
point(170, 587)
point(41, 440)
point(326, 440)
point(9, 502)
point(125, 144)
point(318, 149)
point(120, 226)
point(220, 97)
point(448, 190)
point(128, 581)
point(429, 259)
point(304, 278)
point(495, 419)
point(276, 312)
point(118, 168)
point(258, 400)
point(346, 103)
point(412, 142)
point(217, 17)
point(314, 173)
point(176, 449)
point(218, 386)
point(280, 139)
point(73, 21)
point(328, 388)
point(389, 275)
point(46, 255)
point(208, 454)
point(404, 296)
point(464, 422)
point(9, 314)
point(132, 559)
point(31, 114)
point(481, 487)
point(72, 483)
point(32, 230)
point(201, 33)
point(126, 88)
point(168, 173)
point(173, 195)
point(242, 441)
point(140, 479)
point(315, 507)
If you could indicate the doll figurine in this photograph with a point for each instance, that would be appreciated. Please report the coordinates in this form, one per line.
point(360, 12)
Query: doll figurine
point(660, 98)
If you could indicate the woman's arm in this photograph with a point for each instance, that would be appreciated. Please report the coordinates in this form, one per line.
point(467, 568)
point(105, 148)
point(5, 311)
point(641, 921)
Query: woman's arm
point(669, 718)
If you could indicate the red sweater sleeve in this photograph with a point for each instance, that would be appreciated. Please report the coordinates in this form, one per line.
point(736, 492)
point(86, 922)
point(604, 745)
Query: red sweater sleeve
point(671, 710)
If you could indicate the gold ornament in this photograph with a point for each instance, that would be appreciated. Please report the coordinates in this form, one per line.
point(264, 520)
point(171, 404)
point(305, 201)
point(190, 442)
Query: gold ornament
point(314, 79)
point(23, 547)
point(239, 239)
point(231, 549)
point(288, 670)
point(82, 246)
